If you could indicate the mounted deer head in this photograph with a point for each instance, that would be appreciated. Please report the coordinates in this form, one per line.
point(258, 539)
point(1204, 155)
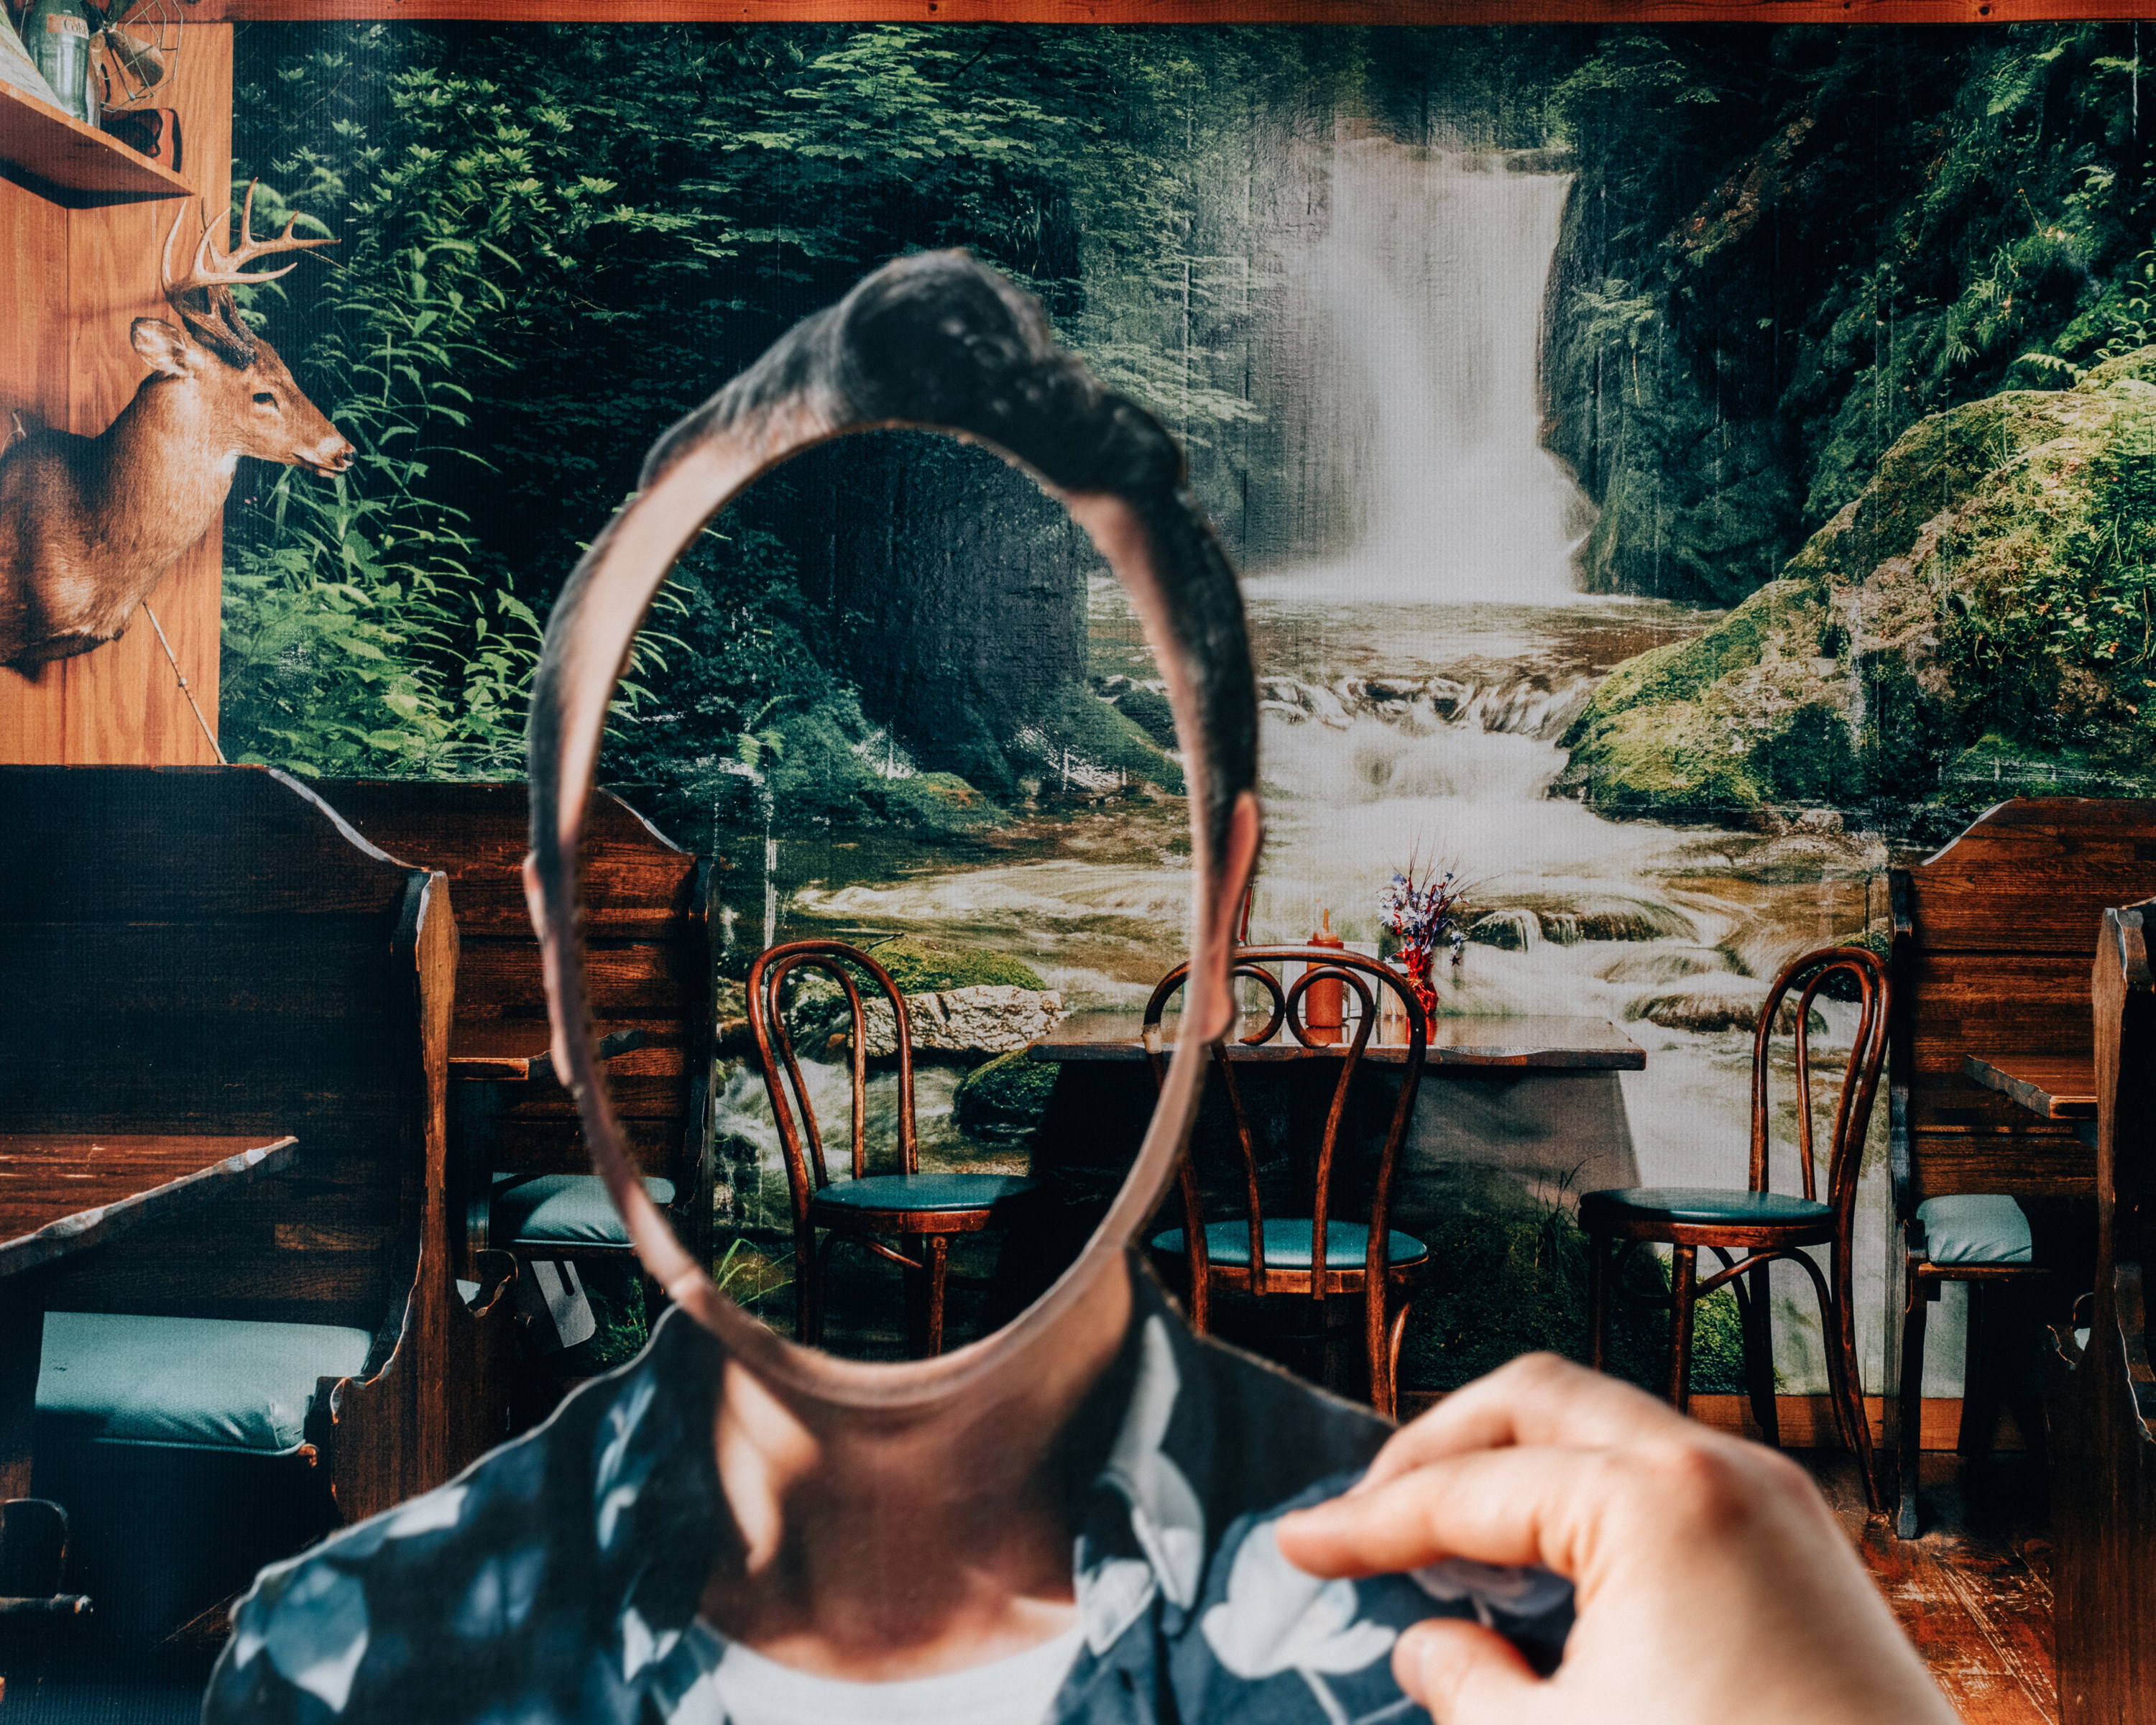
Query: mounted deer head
point(89, 526)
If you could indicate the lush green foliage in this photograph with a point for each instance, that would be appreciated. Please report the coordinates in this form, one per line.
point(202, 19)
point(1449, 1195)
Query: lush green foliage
point(1978, 624)
point(1791, 245)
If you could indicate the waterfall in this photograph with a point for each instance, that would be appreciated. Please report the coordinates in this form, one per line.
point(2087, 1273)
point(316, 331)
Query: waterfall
point(1417, 310)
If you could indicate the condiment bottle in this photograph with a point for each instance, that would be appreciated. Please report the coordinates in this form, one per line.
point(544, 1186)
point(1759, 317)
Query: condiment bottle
point(1324, 1002)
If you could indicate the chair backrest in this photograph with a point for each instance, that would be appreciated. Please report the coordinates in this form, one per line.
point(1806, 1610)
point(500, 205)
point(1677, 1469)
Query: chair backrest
point(1991, 955)
point(791, 1105)
point(1365, 980)
point(649, 969)
point(213, 949)
point(1807, 977)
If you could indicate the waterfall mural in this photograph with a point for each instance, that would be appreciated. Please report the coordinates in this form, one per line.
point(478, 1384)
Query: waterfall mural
point(1424, 647)
point(1412, 325)
point(1505, 360)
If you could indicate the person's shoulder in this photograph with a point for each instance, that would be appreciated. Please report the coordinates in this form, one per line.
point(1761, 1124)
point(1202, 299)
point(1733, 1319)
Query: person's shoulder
point(526, 1573)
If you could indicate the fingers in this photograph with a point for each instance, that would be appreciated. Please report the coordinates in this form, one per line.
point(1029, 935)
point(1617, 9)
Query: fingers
point(1538, 1399)
point(1463, 1673)
point(1509, 1505)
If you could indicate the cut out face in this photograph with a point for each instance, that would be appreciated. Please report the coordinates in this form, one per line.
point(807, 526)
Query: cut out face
point(932, 342)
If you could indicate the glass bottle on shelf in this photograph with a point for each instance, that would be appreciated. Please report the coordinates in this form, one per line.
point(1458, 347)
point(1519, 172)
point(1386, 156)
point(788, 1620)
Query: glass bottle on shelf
point(57, 33)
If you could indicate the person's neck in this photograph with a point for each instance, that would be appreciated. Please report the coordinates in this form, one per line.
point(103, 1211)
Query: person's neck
point(877, 1546)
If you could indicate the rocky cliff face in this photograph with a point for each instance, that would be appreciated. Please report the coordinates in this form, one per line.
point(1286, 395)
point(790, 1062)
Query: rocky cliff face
point(1976, 623)
point(1786, 247)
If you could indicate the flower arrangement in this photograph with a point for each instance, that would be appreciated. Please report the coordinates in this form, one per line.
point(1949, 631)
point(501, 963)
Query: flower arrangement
point(1422, 916)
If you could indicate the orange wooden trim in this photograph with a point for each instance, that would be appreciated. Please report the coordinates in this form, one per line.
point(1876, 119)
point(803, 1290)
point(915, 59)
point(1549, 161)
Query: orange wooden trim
point(1807, 1420)
point(1183, 12)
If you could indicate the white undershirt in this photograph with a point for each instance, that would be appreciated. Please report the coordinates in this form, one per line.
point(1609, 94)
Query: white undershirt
point(745, 1688)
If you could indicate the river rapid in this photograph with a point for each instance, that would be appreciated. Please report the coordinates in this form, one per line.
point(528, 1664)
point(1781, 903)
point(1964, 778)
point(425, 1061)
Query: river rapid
point(1416, 686)
point(1426, 732)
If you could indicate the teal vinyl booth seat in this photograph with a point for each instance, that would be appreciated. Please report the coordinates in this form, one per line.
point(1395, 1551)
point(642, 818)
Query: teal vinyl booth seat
point(188, 1383)
point(185, 1451)
point(221, 1385)
point(1972, 1228)
point(563, 1213)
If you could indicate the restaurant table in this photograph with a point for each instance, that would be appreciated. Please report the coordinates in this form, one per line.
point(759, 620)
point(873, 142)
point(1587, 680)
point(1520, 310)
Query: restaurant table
point(518, 1051)
point(1466, 1044)
point(2056, 1087)
point(1514, 1113)
point(62, 1193)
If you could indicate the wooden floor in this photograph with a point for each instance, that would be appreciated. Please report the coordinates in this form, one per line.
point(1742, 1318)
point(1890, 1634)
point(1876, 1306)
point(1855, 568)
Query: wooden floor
point(1973, 1590)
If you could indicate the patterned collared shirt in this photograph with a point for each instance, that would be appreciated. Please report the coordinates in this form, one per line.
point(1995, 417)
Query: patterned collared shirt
point(558, 1578)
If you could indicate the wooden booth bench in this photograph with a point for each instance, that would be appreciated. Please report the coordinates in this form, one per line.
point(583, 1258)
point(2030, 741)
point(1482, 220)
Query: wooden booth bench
point(2102, 1400)
point(521, 1170)
point(1990, 961)
point(212, 950)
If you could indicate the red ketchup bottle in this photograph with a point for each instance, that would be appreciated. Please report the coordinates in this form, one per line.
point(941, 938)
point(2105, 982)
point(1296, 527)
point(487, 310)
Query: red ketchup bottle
point(1324, 1002)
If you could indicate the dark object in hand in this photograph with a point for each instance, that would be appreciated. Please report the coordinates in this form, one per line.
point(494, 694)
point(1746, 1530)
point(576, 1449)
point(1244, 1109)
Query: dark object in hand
point(154, 132)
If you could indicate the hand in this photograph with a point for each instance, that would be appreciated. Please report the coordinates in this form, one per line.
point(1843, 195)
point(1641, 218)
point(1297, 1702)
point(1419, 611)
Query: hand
point(1712, 1580)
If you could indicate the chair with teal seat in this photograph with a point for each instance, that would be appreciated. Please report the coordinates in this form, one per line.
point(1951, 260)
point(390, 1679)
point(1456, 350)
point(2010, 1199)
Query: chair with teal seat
point(1762, 1225)
point(909, 1218)
point(525, 1184)
point(1305, 1255)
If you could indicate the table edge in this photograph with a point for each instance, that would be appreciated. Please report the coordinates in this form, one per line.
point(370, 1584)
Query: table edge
point(73, 1234)
point(2026, 1092)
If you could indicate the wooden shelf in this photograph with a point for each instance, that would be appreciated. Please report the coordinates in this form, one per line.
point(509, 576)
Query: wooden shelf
point(73, 164)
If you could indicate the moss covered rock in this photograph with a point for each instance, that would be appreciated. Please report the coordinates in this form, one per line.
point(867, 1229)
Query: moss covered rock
point(1075, 730)
point(922, 966)
point(1986, 602)
point(1008, 1094)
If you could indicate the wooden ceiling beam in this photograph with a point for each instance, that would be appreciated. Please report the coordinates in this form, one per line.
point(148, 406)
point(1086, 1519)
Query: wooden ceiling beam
point(1181, 11)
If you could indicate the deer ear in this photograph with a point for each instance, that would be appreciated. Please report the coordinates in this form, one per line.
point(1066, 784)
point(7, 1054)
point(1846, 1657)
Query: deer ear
point(166, 348)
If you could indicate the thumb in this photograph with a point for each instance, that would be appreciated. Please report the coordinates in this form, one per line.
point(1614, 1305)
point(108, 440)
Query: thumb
point(1463, 1673)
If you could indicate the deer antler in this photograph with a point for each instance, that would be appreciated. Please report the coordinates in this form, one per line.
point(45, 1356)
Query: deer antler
point(212, 274)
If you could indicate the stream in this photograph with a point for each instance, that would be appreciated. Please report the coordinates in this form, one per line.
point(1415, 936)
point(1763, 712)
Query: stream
point(1415, 688)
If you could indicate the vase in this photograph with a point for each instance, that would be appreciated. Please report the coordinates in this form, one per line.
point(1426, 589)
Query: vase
point(1415, 961)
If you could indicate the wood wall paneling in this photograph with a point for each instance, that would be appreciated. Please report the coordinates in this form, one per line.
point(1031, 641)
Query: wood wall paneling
point(73, 280)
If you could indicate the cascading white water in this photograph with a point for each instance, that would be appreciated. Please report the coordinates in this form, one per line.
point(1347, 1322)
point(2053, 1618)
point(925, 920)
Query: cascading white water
point(1426, 291)
point(1422, 650)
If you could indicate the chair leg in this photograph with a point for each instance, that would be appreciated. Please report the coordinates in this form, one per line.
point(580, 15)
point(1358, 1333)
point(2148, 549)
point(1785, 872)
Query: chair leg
point(818, 1291)
point(1980, 1397)
point(805, 1285)
point(1684, 1277)
point(1598, 1300)
point(1909, 1446)
point(1391, 1409)
point(1847, 1381)
point(938, 1248)
point(1752, 1296)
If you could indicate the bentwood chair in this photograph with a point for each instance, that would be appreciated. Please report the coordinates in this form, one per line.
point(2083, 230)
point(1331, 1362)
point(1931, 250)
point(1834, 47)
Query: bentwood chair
point(906, 1217)
point(1759, 1222)
point(1304, 1255)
